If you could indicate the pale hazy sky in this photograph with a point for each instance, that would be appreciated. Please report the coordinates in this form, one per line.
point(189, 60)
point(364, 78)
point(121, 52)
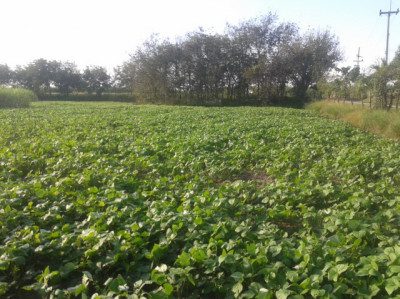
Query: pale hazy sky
point(105, 32)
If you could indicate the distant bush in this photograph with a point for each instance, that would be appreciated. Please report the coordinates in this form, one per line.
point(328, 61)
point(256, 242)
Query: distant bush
point(16, 97)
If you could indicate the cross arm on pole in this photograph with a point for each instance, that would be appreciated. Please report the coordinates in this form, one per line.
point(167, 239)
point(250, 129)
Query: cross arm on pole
point(388, 12)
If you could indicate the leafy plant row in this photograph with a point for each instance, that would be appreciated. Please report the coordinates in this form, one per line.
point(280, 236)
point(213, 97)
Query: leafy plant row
point(106, 200)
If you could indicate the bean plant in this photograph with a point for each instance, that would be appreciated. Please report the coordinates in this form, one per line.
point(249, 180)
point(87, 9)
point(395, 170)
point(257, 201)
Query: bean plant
point(101, 200)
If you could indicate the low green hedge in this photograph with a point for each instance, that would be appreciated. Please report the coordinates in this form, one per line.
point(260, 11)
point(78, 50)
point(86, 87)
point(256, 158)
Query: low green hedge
point(84, 97)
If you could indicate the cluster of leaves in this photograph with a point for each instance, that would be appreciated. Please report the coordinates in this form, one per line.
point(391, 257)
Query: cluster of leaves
point(108, 200)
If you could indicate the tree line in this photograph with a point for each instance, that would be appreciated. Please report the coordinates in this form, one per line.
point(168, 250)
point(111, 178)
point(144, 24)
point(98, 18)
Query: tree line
point(44, 76)
point(259, 60)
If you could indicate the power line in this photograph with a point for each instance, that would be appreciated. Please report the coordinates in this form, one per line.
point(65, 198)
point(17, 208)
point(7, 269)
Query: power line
point(388, 13)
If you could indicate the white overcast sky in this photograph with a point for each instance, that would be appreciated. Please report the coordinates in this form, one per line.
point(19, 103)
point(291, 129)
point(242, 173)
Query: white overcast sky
point(105, 32)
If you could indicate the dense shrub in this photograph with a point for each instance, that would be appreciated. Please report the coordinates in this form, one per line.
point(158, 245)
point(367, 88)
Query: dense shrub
point(16, 97)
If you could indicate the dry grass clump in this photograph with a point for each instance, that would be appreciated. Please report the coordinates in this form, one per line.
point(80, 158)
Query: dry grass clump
point(380, 122)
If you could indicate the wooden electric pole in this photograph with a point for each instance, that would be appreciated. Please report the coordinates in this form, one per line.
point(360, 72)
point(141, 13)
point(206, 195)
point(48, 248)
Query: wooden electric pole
point(388, 13)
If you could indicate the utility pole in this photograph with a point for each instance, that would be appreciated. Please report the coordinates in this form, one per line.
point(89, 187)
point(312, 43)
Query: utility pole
point(388, 13)
point(358, 58)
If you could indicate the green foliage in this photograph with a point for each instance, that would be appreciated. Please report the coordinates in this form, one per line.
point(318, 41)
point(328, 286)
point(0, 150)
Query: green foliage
point(381, 90)
point(16, 97)
point(347, 83)
point(43, 76)
point(254, 62)
point(312, 57)
point(5, 74)
point(85, 97)
point(100, 199)
point(96, 79)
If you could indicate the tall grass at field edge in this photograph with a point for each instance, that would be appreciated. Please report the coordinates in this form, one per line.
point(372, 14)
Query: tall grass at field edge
point(16, 97)
point(381, 122)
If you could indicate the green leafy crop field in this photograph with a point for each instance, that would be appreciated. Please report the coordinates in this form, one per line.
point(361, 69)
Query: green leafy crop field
point(101, 200)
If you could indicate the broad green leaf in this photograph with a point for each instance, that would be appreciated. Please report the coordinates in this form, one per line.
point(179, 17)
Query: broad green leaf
point(40, 193)
point(392, 284)
point(374, 265)
point(251, 248)
point(394, 269)
point(317, 293)
point(283, 294)
point(80, 289)
point(237, 276)
point(237, 289)
point(168, 288)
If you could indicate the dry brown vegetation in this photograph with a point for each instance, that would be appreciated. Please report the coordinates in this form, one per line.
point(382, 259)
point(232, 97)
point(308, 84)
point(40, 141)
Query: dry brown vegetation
point(381, 122)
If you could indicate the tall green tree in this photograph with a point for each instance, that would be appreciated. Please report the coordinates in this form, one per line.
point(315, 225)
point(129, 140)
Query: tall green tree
point(313, 56)
point(96, 79)
point(66, 77)
point(36, 76)
point(124, 76)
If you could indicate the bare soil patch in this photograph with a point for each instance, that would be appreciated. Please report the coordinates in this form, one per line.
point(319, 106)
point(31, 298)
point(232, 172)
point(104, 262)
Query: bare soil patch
point(261, 178)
